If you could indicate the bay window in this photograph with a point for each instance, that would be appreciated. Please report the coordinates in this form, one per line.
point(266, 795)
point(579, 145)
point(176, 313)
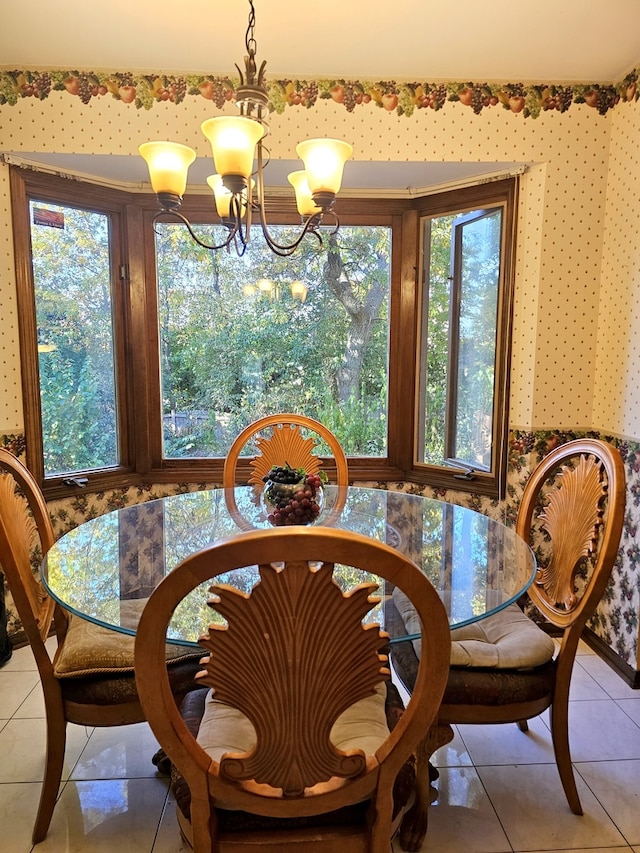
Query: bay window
point(143, 355)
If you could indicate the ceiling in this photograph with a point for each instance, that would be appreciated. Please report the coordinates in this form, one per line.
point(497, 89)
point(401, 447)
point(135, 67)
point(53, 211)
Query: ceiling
point(571, 41)
point(392, 179)
point(534, 41)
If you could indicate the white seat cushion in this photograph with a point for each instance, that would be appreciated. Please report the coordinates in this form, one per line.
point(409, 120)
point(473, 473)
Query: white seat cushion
point(362, 726)
point(507, 639)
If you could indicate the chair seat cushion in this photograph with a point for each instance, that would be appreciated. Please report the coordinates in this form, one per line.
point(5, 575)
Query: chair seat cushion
point(507, 639)
point(498, 687)
point(119, 688)
point(192, 711)
point(362, 726)
point(89, 649)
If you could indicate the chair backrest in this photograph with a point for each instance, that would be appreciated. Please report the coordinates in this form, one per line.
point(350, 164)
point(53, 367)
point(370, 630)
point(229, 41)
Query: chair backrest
point(293, 656)
point(280, 441)
point(576, 499)
point(25, 531)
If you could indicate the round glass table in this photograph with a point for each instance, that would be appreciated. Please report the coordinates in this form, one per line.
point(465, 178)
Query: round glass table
point(105, 569)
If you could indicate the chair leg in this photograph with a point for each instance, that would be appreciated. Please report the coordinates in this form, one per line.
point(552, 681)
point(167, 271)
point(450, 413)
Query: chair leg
point(559, 714)
point(56, 743)
point(523, 725)
point(414, 824)
point(201, 824)
point(381, 831)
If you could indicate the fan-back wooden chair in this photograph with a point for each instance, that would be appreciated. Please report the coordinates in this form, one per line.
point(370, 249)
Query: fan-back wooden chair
point(280, 441)
point(508, 670)
point(90, 679)
point(294, 748)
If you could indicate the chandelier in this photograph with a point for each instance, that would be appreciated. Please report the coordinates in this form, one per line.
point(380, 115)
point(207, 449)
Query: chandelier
point(236, 142)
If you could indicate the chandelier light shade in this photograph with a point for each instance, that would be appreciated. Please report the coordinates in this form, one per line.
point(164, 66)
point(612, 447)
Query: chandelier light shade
point(304, 200)
point(236, 144)
point(233, 144)
point(221, 195)
point(224, 197)
point(324, 161)
point(168, 164)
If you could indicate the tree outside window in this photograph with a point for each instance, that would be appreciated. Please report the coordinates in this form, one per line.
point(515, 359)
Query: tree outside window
point(245, 337)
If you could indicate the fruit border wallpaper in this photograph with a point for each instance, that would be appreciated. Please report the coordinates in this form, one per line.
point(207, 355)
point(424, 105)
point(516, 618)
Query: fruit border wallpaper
point(402, 98)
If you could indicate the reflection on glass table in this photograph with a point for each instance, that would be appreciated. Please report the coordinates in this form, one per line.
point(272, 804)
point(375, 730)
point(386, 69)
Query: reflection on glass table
point(105, 569)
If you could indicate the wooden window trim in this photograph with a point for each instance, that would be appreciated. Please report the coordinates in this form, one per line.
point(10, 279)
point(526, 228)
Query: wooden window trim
point(492, 194)
point(136, 309)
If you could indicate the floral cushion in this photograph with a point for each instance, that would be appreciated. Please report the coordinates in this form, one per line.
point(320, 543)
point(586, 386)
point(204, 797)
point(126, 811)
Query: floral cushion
point(89, 649)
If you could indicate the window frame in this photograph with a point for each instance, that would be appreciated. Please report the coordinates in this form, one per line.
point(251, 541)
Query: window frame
point(27, 186)
point(135, 316)
point(199, 210)
point(504, 194)
point(453, 379)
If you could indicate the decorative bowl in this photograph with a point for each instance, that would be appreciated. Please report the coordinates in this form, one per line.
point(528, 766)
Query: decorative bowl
point(292, 496)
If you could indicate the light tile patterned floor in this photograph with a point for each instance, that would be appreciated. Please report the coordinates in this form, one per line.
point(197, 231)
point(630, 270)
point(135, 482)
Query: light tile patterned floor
point(499, 790)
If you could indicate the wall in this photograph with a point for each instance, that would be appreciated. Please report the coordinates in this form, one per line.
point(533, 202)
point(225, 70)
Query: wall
point(616, 401)
point(560, 224)
point(11, 419)
point(575, 359)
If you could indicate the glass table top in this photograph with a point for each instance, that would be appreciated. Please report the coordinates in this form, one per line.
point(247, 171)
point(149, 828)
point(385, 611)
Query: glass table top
point(105, 569)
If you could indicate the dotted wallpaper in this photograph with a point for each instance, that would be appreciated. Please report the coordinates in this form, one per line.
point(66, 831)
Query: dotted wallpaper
point(11, 418)
point(617, 386)
point(527, 296)
point(564, 229)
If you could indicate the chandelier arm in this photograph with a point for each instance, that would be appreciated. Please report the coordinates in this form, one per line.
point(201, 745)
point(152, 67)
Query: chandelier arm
point(336, 220)
point(237, 206)
point(174, 214)
point(239, 245)
point(310, 225)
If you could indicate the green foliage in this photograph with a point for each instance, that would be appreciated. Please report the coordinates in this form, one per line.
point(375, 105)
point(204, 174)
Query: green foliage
point(232, 357)
point(227, 358)
point(438, 237)
point(360, 422)
point(71, 268)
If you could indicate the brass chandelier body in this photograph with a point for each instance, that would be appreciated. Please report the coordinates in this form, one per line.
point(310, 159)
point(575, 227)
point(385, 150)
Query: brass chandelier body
point(236, 141)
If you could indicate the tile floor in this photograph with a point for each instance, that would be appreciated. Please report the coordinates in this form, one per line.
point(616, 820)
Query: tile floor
point(498, 789)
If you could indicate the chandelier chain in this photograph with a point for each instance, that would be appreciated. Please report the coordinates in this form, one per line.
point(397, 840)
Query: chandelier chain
point(250, 40)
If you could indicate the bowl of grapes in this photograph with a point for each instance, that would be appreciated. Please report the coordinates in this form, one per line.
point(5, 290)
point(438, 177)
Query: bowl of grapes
point(291, 496)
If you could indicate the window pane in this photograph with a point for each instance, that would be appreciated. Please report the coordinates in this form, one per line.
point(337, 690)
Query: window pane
point(244, 337)
point(71, 271)
point(458, 337)
point(435, 338)
point(478, 243)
